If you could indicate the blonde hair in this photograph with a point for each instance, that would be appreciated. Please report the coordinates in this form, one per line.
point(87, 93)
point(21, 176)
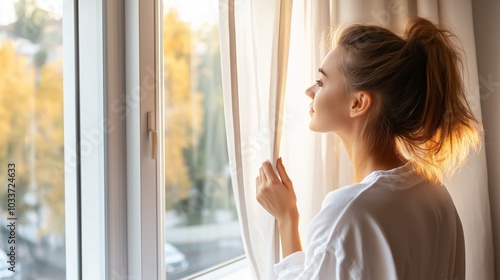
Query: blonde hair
point(424, 113)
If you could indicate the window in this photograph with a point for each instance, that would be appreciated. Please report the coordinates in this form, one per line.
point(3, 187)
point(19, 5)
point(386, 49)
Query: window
point(85, 202)
point(32, 196)
point(201, 221)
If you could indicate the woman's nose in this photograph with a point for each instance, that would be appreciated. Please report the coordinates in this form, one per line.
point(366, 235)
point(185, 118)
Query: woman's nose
point(310, 91)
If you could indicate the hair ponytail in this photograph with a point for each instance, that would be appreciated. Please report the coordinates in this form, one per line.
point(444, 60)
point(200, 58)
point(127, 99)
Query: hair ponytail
point(424, 111)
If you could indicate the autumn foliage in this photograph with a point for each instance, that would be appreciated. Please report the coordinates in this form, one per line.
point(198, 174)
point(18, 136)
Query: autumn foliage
point(183, 106)
point(32, 135)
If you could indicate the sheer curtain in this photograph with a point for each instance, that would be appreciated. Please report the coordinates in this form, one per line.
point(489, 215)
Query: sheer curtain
point(253, 76)
point(255, 38)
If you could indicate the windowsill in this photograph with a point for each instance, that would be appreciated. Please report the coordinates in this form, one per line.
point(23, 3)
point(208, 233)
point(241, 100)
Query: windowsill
point(238, 269)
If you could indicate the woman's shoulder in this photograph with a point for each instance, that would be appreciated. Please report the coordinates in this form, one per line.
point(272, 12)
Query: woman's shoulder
point(339, 203)
point(347, 196)
point(380, 192)
point(384, 197)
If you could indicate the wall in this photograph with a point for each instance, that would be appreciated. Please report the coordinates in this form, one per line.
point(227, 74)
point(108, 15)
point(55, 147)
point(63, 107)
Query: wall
point(487, 36)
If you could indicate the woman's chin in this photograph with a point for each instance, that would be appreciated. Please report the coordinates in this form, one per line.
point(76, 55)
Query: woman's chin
point(315, 128)
point(312, 127)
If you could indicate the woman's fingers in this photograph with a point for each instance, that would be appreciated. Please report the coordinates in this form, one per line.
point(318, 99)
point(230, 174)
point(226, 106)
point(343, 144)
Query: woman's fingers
point(282, 171)
point(274, 194)
point(269, 172)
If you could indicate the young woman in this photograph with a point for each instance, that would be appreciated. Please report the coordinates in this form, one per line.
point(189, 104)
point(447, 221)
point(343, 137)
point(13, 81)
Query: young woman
point(399, 107)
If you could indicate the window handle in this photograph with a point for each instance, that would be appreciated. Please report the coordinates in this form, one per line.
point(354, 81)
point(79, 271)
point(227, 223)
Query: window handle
point(152, 135)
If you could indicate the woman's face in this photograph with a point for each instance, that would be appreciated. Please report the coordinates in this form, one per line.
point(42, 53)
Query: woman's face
point(330, 98)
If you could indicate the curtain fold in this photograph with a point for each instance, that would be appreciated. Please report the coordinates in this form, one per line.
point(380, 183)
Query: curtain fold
point(267, 47)
point(256, 36)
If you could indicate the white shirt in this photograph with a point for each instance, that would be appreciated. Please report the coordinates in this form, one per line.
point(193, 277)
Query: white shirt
point(392, 225)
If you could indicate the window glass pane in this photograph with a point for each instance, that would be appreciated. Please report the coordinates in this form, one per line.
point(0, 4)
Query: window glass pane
point(32, 240)
point(202, 228)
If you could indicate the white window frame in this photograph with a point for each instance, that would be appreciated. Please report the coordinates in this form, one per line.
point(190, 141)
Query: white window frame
point(71, 158)
point(85, 140)
point(116, 154)
point(92, 140)
point(121, 235)
point(144, 183)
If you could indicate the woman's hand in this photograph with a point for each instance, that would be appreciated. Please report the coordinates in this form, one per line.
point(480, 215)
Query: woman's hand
point(278, 198)
point(277, 195)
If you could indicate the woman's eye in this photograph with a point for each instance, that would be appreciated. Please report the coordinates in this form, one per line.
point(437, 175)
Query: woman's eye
point(319, 83)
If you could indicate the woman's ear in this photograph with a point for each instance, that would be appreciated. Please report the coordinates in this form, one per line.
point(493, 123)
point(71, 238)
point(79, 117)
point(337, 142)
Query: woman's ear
point(361, 103)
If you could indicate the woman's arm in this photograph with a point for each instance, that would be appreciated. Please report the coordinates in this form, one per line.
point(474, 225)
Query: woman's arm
point(290, 237)
point(278, 198)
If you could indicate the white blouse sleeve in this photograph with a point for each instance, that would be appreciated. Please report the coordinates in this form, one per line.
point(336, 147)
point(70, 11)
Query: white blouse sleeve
point(291, 266)
point(321, 266)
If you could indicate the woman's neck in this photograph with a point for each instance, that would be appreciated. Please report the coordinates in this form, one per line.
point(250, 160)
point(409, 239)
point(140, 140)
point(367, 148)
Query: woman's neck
point(364, 162)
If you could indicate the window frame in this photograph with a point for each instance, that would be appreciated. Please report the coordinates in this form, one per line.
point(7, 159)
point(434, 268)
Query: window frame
point(94, 140)
point(116, 154)
point(144, 182)
point(91, 139)
point(71, 154)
